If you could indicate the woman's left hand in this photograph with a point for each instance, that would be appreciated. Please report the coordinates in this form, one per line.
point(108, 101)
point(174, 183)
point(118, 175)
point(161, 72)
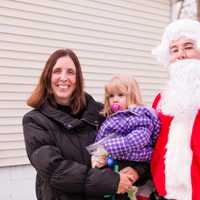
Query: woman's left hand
point(131, 172)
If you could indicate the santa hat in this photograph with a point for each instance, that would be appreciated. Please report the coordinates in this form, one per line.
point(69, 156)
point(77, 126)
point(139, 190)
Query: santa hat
point(180, 28)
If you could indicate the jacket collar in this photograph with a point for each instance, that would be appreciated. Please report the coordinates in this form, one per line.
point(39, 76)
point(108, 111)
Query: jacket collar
point(90, 115)
point(138, 110)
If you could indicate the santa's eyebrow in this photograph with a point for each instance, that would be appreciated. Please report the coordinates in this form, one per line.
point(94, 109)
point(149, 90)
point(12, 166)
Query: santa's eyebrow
point(173, 46)
point(189, 43)
point(185, 44)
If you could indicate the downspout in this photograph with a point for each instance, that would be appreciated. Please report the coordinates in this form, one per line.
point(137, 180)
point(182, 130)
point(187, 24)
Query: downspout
point(198, 9)
point(172, 10)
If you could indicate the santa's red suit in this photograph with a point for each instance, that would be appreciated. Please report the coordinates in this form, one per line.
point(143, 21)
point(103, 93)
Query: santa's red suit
point(176, 168)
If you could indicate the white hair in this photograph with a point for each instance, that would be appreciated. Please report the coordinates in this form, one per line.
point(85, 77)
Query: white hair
point(180, 28)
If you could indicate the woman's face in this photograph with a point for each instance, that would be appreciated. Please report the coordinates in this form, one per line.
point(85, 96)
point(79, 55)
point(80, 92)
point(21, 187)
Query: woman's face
point(63, 80)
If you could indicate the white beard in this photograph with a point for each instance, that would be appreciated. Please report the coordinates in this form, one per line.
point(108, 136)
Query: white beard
point(182, 94)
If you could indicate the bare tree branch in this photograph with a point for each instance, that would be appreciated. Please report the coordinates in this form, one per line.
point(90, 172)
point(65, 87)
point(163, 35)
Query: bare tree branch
point(181, 8)
point(198, 9)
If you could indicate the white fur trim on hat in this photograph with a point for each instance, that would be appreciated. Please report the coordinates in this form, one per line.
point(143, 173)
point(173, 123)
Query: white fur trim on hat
point(183, 27)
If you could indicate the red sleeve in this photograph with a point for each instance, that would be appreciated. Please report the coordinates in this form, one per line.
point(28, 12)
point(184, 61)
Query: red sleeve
point(156, 101)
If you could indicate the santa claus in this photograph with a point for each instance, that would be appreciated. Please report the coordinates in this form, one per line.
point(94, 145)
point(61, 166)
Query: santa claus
point(175, 162)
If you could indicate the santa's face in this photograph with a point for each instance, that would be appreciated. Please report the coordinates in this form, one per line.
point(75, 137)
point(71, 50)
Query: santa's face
point(183, 48)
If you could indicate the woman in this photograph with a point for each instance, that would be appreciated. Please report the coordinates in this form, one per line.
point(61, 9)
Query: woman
point(63, 122)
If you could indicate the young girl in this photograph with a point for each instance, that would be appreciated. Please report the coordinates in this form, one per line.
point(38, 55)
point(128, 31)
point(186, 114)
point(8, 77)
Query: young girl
point(136, 125)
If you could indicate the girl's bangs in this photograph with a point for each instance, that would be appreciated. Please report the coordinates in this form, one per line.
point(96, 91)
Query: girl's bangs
point(116, 86)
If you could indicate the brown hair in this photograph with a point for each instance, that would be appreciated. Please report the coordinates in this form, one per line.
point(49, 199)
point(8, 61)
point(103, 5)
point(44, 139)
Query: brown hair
point(43, 89)
point(125, 84)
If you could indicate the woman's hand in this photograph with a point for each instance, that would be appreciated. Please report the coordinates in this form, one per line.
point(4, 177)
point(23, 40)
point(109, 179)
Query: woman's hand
point(131, 172)
point(125, 182)
point(128, 176)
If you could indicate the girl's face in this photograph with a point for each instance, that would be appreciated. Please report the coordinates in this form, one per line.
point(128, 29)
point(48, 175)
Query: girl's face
point(117, 101)
point(63, 80)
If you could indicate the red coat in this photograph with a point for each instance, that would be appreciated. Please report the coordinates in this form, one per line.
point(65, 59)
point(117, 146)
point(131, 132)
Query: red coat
point(160, 160)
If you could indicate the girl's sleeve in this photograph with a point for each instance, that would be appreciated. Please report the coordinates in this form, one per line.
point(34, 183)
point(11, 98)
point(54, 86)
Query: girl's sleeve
point(142, 136)
point(139, 137)
point(65, 175)
point(103, 131)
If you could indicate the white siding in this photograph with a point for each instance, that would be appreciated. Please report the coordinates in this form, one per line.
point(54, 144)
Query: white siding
point(109, 37)
point(17, 183)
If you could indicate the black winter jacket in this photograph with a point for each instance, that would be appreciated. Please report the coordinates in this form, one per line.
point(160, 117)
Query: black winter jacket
point(55, 144)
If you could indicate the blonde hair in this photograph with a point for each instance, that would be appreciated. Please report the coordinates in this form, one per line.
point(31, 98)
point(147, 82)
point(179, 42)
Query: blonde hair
point(125, 84)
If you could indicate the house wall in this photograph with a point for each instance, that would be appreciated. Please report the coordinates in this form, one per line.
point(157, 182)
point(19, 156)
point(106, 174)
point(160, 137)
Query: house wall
point(108, 36)
point(17, 183)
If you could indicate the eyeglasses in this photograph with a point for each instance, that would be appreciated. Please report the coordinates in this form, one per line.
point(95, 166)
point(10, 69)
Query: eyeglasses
point(182, 49)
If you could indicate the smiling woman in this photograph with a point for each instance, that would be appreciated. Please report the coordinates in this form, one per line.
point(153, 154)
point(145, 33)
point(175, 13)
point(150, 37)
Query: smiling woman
point(63, 122)
point(63, 80)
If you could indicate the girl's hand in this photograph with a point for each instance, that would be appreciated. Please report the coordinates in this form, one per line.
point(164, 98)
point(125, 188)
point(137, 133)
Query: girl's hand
point(99, 157)
point(98, 161)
